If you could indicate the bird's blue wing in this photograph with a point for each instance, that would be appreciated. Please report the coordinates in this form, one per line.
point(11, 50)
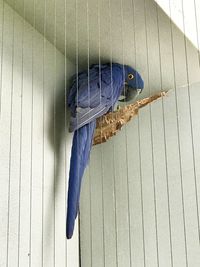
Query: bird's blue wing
point(92, 95)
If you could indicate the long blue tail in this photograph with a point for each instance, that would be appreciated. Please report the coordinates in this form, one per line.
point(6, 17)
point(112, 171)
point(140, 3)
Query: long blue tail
point(82, 142)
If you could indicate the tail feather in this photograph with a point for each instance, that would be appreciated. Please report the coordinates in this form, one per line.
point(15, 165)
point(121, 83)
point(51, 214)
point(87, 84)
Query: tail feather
point(81, 146)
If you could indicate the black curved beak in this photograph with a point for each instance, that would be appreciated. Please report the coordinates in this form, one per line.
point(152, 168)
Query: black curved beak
point(129, 94)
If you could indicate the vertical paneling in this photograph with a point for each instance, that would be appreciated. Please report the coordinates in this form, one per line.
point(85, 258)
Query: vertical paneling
point(154, 220)
point(173, 168)
point(6, 110)
point(109, 196)
point(140, 198)
point(195, 98)
point(85, 218)
point(135, 196)
point(36, 154)
point(121, 199)
point(158, 138)
point(97, 248)
point(15, 117)
point(186, 142)
point(25, 149)
point(34, 148)
point(168, 192)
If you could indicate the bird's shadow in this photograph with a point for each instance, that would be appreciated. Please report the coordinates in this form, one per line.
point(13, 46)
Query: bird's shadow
point(58, 123)
point(58, 137)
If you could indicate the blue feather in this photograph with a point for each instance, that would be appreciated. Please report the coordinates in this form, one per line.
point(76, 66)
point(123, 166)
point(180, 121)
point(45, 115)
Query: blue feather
point(81, 146)
point(92, 94)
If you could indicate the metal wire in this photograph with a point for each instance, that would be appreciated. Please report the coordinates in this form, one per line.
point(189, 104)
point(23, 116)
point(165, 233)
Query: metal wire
point(2, 38)
point(88, 62)
point(77, 86)
point(10, 135)
point(141, 189)
point(139, 145)
point(54, 124)
point(43, 127)
point(31, 164)
point(113, 141)
point(20, 153)
point(102, 167)
point(126, 141)
point(89, 171)
point(197, 31)
point(151, 133)
point(66, 126)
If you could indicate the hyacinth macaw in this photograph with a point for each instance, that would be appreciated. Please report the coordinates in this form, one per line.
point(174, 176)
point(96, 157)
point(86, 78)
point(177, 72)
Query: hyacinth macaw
point(93, 93)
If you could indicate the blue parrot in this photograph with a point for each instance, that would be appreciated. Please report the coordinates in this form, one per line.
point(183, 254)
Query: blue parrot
point(93, 93)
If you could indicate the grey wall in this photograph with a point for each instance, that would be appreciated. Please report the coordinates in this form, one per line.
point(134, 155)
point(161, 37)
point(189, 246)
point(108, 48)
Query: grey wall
point(34, 149)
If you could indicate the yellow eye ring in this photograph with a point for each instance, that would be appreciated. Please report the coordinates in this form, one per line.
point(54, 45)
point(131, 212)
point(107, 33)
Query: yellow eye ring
point(130, 76)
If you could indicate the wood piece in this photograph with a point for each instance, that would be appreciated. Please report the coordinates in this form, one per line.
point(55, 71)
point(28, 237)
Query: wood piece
point(110, 123)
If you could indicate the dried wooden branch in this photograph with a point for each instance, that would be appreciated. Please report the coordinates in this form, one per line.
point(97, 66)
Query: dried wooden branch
point(109, 124)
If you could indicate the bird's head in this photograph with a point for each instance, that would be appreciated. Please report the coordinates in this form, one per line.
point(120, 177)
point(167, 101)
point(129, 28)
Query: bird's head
point(133, 84)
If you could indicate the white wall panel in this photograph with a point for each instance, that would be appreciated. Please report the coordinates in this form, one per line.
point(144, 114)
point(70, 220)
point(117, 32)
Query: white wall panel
point(150, 169)
point(140, 198)
point(161, 205)
point(34, 148)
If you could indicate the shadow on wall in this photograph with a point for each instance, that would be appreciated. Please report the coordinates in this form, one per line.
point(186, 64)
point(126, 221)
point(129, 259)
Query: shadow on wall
point(33, 166)
point(58, 125)
point(59, 137)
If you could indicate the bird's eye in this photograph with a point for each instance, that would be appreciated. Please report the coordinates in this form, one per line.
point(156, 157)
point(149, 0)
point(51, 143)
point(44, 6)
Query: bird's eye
point(130, 76)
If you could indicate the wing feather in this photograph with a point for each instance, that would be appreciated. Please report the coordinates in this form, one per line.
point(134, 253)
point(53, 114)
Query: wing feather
point(97, 92)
